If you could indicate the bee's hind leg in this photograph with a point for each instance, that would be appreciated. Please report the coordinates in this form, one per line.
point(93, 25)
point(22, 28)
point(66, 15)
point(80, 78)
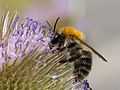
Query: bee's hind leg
point(63, 61)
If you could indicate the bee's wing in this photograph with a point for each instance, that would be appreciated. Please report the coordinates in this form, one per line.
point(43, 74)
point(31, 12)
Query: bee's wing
point(91, 48)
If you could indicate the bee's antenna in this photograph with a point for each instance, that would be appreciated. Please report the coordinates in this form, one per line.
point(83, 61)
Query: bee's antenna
point(97, 53)
point(55, 24)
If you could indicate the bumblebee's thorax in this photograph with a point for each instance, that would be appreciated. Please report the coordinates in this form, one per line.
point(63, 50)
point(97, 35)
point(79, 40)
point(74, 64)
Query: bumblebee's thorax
point(71, 32)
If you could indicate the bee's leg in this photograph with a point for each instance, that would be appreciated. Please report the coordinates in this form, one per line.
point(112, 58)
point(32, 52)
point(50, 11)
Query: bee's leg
point(63, 50)
point(63, 61)
point(60, 49)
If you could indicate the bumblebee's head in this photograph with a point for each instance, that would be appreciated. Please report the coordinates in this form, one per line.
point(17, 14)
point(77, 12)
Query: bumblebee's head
point(57, 38)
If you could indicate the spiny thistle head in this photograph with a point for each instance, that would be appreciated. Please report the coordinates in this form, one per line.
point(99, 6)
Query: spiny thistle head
point(25, 61)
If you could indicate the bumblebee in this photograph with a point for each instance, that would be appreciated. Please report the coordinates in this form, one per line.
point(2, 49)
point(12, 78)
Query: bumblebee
point(71, 40)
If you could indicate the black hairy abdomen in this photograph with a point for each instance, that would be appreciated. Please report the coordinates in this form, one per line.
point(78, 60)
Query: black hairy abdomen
point(82, 60)
point(82, 65)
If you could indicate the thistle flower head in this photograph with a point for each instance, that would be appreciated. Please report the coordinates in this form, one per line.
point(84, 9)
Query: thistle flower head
point(25, 61)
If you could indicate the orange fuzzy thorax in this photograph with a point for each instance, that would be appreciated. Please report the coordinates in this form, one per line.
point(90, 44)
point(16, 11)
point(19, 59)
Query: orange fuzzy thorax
point(71, 32)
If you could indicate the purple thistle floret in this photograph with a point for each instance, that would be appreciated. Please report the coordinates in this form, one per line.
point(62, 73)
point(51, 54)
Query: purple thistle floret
point(83, 85)
point(26, 35)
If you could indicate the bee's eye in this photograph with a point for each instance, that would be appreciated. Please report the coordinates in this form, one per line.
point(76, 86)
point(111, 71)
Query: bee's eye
point(54, 40)
point(55, 36)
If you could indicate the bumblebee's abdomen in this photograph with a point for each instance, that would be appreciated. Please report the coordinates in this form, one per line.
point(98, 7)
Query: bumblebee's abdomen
point(82, 66)
point(82, 60)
